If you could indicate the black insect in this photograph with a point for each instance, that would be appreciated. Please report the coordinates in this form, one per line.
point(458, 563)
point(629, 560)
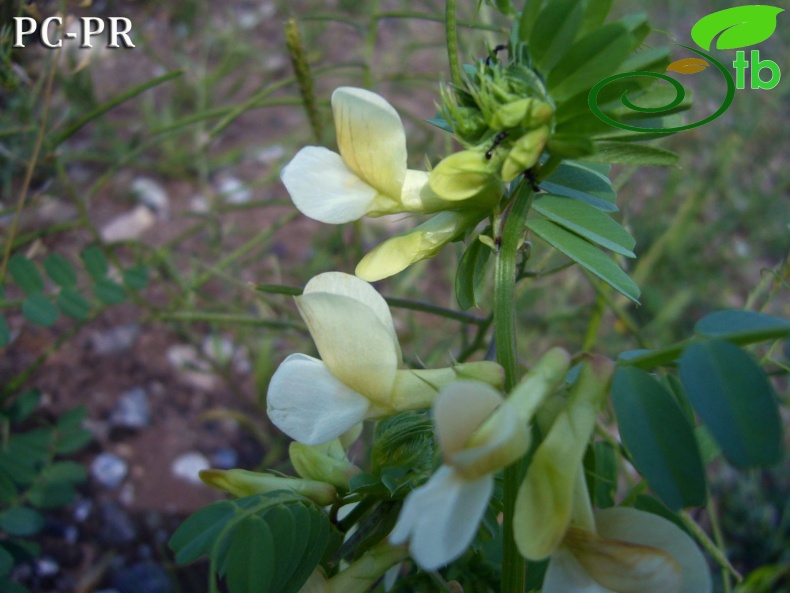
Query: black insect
point(497, 141)
point(497, 49)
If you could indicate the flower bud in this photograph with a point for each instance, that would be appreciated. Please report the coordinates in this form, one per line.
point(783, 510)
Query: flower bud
point(462, 175)
point(512, 114)
point(314, 464)
point(425, 241)
point(545, 498)
point(525, 153)
point(241, 482)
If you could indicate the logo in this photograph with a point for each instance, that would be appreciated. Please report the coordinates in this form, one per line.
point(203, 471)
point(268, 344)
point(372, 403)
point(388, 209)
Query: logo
point(732, 28)
point(117, 32)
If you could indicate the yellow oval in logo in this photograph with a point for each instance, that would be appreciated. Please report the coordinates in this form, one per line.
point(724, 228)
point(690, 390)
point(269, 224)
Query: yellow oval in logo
point(688, 66)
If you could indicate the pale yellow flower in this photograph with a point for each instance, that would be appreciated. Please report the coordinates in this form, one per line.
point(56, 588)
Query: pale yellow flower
point(370, 176)
point(358, 376)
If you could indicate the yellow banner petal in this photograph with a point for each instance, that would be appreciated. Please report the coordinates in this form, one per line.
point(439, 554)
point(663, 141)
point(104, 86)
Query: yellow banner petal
point(371, 138)
point(354, 344)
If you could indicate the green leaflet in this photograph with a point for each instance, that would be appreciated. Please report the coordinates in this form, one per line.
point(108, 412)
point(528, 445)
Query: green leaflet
point(659, 437)
point(735, 400)
point(581, 181)
point(587, 221)
point(471, 273)
point(590, 59)
point(39, 310)
point(266, 543)
point(554, 31)
point(25, 274)
point(21, 521)
point(60, 270)
point(586, 255)
point(742, 327)
point(625, 153)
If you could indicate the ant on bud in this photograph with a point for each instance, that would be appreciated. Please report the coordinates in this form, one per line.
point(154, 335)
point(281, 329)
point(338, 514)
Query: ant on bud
point(497, 141)
point(496, 50)
point(529, 175)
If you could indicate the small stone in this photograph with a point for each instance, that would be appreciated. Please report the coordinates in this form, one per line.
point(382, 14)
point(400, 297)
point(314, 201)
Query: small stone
point(71, 535)
point(126, 494)
point(225, 458)
point(116, 526)
point(270, 154)
point(218, 348)
point(199, 204)
point(194, 370)
point(188, 465)
point(47, 567)
point(109, 470)
point(132, 410)
point(82, 510)
point(129, 225)
point(233, 190)
point(116, 340)
point(143, 577)
point(152, 194)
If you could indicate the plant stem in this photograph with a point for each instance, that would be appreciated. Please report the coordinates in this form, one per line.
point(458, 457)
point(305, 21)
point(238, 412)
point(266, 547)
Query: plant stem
point(452, 42)
point(514, 571)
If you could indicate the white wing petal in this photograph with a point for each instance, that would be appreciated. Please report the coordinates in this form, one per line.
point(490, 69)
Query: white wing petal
point(441, 517)
point(324, 188)
point(309, 404)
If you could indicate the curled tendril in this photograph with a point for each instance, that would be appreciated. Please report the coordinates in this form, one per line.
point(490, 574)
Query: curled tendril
point(680, 93)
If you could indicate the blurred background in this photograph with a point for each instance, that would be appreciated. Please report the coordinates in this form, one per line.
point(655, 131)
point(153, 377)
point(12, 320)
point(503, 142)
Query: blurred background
point(142, 310)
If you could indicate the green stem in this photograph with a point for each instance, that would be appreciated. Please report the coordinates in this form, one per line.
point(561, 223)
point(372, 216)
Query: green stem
point(452, 42)
point(514, 569)
point(395, 302)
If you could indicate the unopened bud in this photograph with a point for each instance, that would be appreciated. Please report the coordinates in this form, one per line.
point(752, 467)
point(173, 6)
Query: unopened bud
point(314, 464)
point(525, 153)
point(241, 482)
point(461, 175)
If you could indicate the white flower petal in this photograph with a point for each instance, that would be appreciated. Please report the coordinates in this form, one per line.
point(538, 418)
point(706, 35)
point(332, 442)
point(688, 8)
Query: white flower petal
point(441, 517)
point(354, 344)
point(639, 527)
point(324, 188)
point(309, 404)
point(350, 286)
point(459, 410)
point(371, 138)
point(566, 575)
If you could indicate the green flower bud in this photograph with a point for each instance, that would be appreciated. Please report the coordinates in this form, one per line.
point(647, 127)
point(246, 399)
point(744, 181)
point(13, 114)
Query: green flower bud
point(462, 175)
point(240, 482)
point(512, 115)
point(525, 153)
point(314, 463)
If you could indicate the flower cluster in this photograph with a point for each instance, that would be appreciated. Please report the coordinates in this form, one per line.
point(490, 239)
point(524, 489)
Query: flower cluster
point(369, 177)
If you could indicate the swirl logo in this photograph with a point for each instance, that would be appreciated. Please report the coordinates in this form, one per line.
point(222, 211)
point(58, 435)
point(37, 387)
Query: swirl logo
point(736, 27)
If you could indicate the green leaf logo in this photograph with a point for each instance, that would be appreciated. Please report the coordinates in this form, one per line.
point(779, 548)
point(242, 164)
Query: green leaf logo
point(737, 27)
